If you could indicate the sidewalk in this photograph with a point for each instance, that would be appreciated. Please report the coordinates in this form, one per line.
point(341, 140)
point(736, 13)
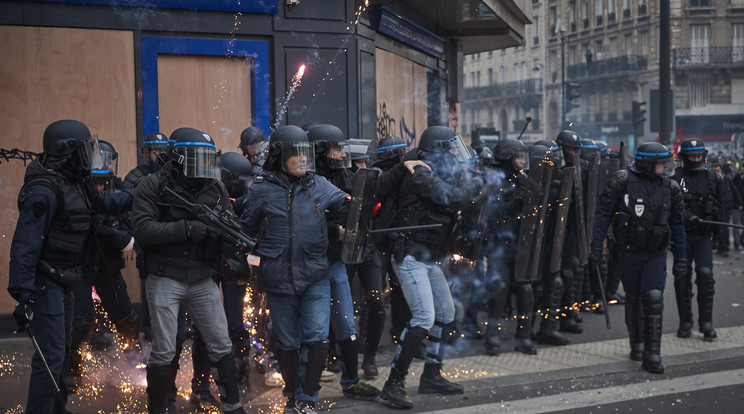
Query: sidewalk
point(478, 373)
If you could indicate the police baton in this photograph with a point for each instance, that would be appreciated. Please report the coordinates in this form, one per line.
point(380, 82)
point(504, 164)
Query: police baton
point(604, 298)
point(721, 223)
point(41, 355)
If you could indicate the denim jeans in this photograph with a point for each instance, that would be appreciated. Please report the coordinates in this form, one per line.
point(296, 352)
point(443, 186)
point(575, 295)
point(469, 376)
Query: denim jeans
point(300, 320)
point(202, 302)
point(342, 305)
point(428, 295)
point(51, 326)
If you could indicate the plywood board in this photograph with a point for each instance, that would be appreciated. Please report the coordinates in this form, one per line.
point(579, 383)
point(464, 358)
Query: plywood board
point(209, 93)
point(48, 74)
point(401, 97)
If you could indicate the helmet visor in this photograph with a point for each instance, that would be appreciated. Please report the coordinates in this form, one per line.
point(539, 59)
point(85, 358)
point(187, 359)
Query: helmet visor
point(339, 154)
point(298, 158)
point(110, 160)
point(664, 167)
point(521, 160)
point(89, 153)
point(457, 146)
point(198, 160)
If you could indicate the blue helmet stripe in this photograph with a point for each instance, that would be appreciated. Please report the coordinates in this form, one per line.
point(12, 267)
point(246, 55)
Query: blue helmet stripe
point(156, 142)
point(381, 149)
point(691, 148)
point(652, 154)
point(194, 144)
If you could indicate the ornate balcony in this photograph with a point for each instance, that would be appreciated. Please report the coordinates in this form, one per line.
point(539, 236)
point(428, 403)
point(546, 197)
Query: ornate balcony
point(632, 63)
point(526, 87)
point(705, 56)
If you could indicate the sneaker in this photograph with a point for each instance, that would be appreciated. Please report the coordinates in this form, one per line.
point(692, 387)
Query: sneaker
point(304, 407)
point(327, 376)
point(290, 406)
point(204, 400)
point(361, 390)
point(273, 379)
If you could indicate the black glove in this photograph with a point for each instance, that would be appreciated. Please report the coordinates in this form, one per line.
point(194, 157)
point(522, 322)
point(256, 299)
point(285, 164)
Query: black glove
point(198, 231)
point(679, 268)
point(24, 313)
point(595, 255)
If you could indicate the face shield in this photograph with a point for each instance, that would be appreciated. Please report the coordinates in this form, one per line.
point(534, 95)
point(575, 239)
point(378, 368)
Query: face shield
point(256, 152)
point(197, 159)
point(339, 154)
point(236, 185)
point(110, 161)
point(89, 154)
point(458, 147)
point(664, 167)
point(298, 158)
point(521, 160)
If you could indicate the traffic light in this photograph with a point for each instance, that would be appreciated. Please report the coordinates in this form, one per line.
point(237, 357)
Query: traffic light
point(572, 94)
point(639, 114)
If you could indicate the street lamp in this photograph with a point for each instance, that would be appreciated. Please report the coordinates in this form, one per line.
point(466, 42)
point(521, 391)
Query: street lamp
point(560, 29)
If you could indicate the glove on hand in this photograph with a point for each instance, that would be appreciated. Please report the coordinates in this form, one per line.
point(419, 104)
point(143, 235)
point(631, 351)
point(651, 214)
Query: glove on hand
point(24, 313)
point(198, 231)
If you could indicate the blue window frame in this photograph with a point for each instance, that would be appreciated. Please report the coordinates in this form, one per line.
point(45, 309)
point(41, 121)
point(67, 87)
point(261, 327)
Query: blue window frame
point(257, 50)
point(261, 6)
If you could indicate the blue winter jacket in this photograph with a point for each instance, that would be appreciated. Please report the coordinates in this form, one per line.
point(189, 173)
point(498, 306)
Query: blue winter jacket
point(289, 220)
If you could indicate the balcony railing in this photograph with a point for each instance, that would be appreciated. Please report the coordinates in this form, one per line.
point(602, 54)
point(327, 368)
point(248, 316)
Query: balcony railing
point(630, 63)
point(699, 56)
point(525, 87)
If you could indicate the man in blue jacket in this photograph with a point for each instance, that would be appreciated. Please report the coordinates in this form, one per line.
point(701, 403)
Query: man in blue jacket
point(287, 214)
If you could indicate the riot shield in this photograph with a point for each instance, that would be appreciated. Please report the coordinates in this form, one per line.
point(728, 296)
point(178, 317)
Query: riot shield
point(532, 224)
point(580, 218)
point(470, 228)
point(359, 220)
point(592, 185)
point(561, 218)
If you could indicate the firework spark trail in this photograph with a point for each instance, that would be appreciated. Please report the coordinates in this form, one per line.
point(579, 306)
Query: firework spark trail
point(294, 84)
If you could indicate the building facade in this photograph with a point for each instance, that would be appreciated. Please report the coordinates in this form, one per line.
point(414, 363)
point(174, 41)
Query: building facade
point(608, 52)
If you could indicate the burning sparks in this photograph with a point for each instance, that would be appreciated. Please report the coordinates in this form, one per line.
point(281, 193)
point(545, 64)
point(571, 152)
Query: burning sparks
point(293, 85)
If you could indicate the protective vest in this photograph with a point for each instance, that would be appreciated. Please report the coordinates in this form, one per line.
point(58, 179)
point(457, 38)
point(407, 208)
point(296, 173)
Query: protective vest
point(64, 244)
point(423, 212)
point(168, 259)
point(643, 224)
point(700, 199)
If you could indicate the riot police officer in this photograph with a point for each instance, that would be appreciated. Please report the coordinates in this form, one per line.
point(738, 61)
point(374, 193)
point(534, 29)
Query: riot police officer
point(287, 214)
point(504, 210)
point(182, 255)
point(646, 210)
point(427, 197)
point(703, 192)
point(572, 270)
point(153, 150)
point(254, 144)
point(55, 205)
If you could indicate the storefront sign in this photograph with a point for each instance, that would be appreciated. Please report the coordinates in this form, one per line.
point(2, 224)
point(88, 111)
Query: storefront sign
point(398, 27)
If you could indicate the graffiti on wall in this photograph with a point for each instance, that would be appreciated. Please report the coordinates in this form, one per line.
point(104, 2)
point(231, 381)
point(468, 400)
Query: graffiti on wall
point(386, 126)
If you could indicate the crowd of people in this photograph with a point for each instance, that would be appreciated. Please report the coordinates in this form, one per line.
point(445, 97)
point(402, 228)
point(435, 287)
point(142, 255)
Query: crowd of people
point(465, 238)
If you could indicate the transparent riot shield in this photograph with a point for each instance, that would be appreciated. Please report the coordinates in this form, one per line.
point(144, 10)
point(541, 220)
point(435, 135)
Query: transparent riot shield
point(561, 218)
point(359, 220)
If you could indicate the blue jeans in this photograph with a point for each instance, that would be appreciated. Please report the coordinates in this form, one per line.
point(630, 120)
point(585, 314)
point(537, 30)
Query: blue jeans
point(51, 326)
point(342, 305)
point(428, 295)
point(203, 303)
point(300, 320)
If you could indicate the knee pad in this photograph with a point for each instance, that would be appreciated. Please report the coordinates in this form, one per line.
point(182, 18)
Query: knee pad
point(704, 277)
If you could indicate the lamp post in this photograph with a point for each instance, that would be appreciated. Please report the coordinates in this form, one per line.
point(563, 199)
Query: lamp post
point(563, 80)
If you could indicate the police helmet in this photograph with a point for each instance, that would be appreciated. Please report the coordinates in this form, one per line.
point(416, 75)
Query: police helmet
point(253, 143)
point(486, 157)
point(154, 142)
point(650, 154)
point(693, 146)
point(604, 150)
point(435, 139)
point(511, 150)
point(568, 139)
point(236, 173)
point(391, 148)
point(330, 145)
point(287, 142)
point(588, 147)
point(540, 152)
point(110, 160)
point(195, 152)
point(73, 138)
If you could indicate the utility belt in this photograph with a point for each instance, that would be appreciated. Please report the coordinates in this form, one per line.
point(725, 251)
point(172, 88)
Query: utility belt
point(637, 236)
point(68, 277)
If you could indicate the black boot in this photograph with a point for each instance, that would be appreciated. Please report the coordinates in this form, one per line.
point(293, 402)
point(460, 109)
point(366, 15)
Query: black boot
point(548, 333)
point(394, 391)
point(683, 294)
point(634, 322)
point(706, 291)
point(493, 336)
point(432, 382)
point(525, 301)
point(201, 397)
point(227, 382)
point(289, 367)
point(375, 324)
point(158, 385)
point(172, 389)
point(316, 353)
point(653, 308)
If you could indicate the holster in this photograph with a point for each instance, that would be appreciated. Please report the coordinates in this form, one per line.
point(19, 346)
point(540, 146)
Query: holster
point(68, 278)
